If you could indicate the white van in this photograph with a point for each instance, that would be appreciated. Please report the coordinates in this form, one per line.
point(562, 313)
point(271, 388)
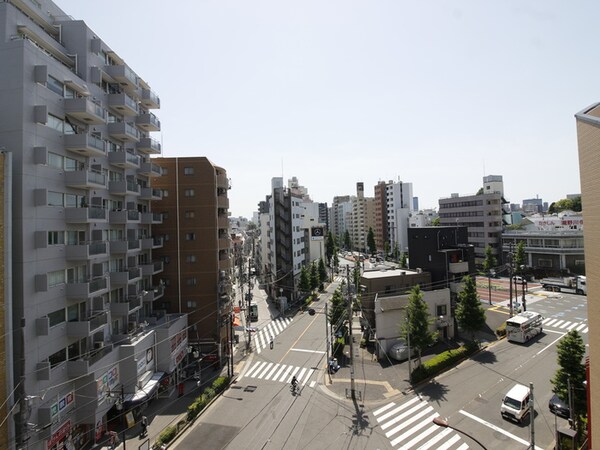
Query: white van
point(515, 404)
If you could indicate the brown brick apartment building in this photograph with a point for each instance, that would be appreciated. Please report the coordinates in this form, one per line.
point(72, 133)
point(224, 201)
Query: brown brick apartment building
point(197, 251)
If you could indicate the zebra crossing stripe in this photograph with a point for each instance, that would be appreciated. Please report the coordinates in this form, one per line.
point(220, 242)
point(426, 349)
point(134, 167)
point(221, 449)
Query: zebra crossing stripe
point(450, 442)
point(281, 369)
point(262, 373)
point(284, 377)
point(463, 447)
point(308, 375)
point(420, 437)
point(398, 409)
point(401, 416)
point(435, 439)
point(268, 377)
point(415, 428)
point(258, 363)
point(585, 330)
point(558, 324)
point(382, 409)
point(565, 325)
point(299, 376)
point(550, 322)
point(572, 326)
point(580, 327)
point(312, 384)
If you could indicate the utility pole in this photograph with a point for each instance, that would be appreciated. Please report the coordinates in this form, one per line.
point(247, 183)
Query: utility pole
point(352, 387)
point(327, 342)
point(510, 274)
point(22, 416)
point(531, 418)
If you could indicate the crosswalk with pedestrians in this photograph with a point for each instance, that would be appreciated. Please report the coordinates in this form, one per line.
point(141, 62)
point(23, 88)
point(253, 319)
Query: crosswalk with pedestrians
point(263, 337)
point(409, 425)
point(565, 325)
point(283, 373)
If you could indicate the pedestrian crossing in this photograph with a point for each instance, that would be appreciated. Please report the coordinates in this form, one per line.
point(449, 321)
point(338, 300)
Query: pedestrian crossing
point(263, 337)
point(409, 425)
point(565, 325)
point(283, 373)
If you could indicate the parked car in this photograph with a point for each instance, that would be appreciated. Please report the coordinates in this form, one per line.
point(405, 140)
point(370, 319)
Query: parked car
point(399, 351)
point(559, 407)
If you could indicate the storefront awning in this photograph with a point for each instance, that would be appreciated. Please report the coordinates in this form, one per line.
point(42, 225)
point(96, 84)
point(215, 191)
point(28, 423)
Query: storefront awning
point(143, 394)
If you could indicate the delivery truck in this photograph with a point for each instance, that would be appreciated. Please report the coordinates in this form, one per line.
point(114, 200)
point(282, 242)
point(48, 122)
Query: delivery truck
point(576, 284)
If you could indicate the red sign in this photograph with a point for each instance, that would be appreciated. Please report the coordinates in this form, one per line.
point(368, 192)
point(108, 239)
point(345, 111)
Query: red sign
point(59, 434)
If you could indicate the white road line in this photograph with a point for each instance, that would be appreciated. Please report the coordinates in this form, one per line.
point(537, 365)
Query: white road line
point(463, 447)
point(453, 440)
point(585, 330)
point(581, 327)
point(301, 374)
point(293, 374)
point(284, 377)
point(558, 324)
point(262, 373)
point(565, 325)
point(275, 367)
point(435, 439)
point(548, 321)
point(307, 351)
point(281, 369)
point(251, 371)
point(397, 409)
point(312, 384)
point(420, 437)
point(572, 326)
point(552, 343)
point(497, 429)
point(408, 422)
point(414, 429)
point(383, 408)
point(398, 418)
point(277, 327)
point(308, 375)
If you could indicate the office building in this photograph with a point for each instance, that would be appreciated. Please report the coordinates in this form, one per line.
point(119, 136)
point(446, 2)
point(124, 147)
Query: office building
point(363, 218)
point(393, 206)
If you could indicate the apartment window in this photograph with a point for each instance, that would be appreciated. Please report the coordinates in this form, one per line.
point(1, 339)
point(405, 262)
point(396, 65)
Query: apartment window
point(55, 160)
point(55, 278)
point(192, 281)
point(190, 236)
point(56, 237)
point(190, 258)
point(189, 193)
point(188, 171)
point(55, 198)
point(56, 317)
point(55, 86)
point(56, 123)
point(190, 214)
point(58, 357)
point(191, 304)
point(441, 310)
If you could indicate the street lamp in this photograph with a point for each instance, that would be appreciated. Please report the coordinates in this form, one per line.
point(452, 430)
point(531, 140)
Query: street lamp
point(444, 424)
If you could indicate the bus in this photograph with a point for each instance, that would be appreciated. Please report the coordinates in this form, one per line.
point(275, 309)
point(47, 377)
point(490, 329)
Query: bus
point(253, 312)
point(523, 326)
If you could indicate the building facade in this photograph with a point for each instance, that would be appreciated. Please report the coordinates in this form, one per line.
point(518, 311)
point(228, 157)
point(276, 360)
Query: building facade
point(393, 205)
point(78, 122)
point(363, 218)
point(341, 217)
point(484, 214)
point(197, 251)
point(588, 142)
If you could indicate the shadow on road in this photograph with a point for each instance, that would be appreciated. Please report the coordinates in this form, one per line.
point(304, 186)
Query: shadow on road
point(434, 391)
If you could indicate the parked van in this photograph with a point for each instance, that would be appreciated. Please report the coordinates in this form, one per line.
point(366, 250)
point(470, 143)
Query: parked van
point(515, 404)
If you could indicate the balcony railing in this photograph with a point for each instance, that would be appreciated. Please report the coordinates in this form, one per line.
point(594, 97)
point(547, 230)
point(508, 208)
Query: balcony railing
point(85, 215)
point(149, 146)
point(150, 100)
point(85, 110)
point(87, 289)
point(85, 144)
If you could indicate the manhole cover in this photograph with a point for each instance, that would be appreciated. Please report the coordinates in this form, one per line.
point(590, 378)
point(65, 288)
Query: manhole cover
point(249, 388)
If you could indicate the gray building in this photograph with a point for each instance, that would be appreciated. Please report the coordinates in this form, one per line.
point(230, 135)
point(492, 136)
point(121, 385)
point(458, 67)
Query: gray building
point(78, 122)
point(484, 214)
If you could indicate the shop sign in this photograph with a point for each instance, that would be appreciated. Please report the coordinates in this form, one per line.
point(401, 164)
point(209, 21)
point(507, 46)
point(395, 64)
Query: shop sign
point(61, 404)
point(178, 340)
point(107, 382)
point(60, 434)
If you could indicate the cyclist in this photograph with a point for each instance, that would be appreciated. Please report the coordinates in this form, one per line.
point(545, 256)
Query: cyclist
point(294, 382)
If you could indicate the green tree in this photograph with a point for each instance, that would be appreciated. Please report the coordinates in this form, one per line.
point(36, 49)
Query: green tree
point(322, 272)
point(435, 222)
point(347, 241)
point(396, 254)
point(403, 260)
point(304, 283)
point(356, 274)
point(417, 323)
point(469, 313)
point(329, 246)
point(519, 259)
point(571, 368)
point(337, 315)
point(336, 260)
point(565, 204)
point(386, 249)
point(490, 260)
point(314, 276)
point(371, 241)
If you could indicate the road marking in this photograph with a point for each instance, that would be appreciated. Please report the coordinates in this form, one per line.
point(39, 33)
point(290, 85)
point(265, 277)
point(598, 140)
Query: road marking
point(581, 327)
point(398, 409)
point(450, 442)
point(419, 437)
point(552, 343)
point(268, 377)
point(406, 423)
point(558, 324)
point(263, 372)
point(565, 325)
point(550, 322)
point(307, 351)
point(572, 326)
point(281, 369)
point(308, 375)
point(384, 408)
point(312, 384)
point(251, 372)
point(399, 417)
point(498, 429)
point(436, 439)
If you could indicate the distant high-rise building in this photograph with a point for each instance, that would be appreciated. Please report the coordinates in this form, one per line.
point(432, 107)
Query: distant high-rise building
point(363, 218)
point(393, 204)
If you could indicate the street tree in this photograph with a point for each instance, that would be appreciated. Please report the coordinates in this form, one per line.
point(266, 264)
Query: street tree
point(571, 370)
point(356, 273)
point(322, 272)
point(386, 249)
point(519, 259)
point(314, 276)
point(417, 323)
point(304, 283)
point(347, 240)
point(371, 242)
point(336, 260)
point(469, 313)
point(396, 254)
point(403, 260)
point(330, 246)
point(490, 260)
point(337, 316)
point(435, 222)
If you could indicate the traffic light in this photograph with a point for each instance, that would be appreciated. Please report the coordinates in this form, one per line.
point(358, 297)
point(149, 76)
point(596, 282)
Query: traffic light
point(311, 312)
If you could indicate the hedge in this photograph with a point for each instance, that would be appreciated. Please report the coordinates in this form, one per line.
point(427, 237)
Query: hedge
point(166, 436)
point(501, 330)
point(209, 393)
point(442, 361)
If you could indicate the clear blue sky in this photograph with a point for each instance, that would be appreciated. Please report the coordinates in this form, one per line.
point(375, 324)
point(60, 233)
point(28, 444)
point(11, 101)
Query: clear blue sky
point(436, 93)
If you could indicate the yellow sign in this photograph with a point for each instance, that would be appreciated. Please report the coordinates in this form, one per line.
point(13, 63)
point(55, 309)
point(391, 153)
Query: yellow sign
point(130, 419)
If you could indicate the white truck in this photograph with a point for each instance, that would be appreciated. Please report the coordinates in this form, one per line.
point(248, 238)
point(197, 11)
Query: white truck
point(576, 284)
